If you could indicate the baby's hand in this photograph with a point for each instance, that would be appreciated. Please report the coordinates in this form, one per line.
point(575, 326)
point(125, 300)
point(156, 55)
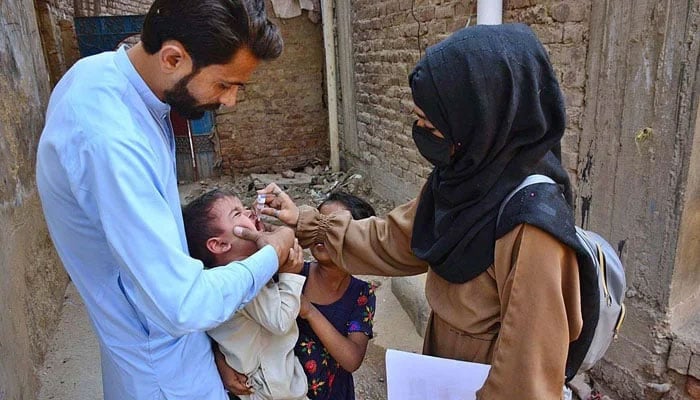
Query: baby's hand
point(234, 381)
point(306, 307)
point(295, 261)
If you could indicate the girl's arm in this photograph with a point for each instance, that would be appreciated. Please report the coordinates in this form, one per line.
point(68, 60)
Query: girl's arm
point(348, 351)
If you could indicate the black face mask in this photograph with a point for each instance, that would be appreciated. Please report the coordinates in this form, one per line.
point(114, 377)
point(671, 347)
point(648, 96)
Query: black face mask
point(434, 149)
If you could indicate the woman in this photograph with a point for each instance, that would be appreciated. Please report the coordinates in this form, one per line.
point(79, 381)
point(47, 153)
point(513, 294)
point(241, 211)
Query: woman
point(489, 113)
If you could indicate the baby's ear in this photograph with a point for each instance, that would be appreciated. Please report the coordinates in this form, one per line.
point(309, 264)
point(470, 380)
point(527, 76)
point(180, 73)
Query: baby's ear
point(217, 246)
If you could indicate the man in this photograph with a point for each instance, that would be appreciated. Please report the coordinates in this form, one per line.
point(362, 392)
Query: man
point(107, 180)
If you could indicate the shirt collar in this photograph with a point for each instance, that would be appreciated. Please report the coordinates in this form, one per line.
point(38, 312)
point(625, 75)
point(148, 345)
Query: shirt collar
point(154, 104)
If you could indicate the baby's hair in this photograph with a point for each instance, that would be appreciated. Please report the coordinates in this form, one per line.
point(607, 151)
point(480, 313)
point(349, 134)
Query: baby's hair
point(359, 208)
point(197, 217)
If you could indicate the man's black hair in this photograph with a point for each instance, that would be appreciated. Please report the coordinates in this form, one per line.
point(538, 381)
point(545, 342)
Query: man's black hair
point(212, 30)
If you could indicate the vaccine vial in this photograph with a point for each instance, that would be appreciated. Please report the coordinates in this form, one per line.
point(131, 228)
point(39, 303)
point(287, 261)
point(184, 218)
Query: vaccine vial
point(260, 202)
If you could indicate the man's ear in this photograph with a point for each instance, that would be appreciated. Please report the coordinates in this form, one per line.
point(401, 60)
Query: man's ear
point(174, 58)
point(217, 246)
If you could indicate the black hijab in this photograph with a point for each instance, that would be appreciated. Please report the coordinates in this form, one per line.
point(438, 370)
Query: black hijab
point(492, 92)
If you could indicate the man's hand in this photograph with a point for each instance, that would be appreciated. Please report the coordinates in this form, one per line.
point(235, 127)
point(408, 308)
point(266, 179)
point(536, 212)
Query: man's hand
point(233, 381)
point(295, 262)
point(281, 238)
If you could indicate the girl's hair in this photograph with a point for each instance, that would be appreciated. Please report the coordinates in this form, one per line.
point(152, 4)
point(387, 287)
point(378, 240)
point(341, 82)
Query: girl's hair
point(359, 208)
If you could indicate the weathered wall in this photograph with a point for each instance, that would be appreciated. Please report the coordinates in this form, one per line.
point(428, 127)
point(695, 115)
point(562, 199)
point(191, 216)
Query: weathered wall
point(281, 120)
point(57, 29)
point(388, 39)
point(33, 281)
point(635, 179)
point(37, 45)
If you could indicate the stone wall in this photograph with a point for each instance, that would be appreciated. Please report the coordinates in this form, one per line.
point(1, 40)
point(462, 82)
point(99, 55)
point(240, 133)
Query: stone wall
point(281, 119)
point(390, 36)
point(33, 281)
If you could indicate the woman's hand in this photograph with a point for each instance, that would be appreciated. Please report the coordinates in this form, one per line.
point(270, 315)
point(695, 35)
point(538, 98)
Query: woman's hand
point(295, 261)
point(279, 205)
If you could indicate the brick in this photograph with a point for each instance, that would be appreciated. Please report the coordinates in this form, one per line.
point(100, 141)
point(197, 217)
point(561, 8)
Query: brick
point(515, 4)
point(574, 76)
point(549, 33)
point(575, 33)
point(444, 11)
point(464, 9)
point(694, 368)
point(570, 11)
point(692, 387)
point(569, 54)
point(425, 14)
point(405, 4)
point(532, 15)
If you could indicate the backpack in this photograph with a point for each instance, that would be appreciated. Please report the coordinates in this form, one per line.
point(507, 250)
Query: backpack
point(603, 284)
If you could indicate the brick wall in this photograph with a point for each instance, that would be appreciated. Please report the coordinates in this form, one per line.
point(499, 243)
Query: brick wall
point(388, 39)
point(281, 120)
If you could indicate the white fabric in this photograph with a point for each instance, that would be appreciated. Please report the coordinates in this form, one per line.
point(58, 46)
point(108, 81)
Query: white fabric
point(259, 341)
point(286, 8)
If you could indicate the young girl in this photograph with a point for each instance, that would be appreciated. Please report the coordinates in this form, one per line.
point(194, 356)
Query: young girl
point(335, 321)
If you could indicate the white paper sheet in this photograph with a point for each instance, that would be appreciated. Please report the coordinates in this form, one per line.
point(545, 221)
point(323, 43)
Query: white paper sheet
point(412, 376)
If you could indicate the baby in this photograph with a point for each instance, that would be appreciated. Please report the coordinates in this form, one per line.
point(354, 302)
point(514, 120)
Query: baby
point(258, 341)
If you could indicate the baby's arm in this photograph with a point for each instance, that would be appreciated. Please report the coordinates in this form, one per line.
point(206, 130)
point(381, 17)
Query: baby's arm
point(277, 306)
point(349, 350)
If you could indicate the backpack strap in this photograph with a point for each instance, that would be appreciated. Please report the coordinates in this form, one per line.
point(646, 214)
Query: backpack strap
point(530, 180)
point(538, 201)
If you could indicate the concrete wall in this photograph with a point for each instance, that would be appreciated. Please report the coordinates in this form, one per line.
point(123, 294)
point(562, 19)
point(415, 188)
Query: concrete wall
point(638, 183)
point(281, 119)
point(33, 281)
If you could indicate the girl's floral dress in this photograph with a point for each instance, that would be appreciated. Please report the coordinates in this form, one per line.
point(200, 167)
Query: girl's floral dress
point(353, 312)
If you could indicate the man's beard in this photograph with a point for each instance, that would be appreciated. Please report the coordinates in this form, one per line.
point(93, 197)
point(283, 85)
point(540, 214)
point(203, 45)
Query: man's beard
point(183, 103)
